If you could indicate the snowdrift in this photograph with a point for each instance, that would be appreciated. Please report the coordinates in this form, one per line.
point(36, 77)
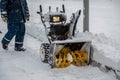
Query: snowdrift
point(106, 50)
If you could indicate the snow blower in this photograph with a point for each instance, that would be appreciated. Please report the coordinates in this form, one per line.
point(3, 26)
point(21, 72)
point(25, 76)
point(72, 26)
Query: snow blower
point(63, 49)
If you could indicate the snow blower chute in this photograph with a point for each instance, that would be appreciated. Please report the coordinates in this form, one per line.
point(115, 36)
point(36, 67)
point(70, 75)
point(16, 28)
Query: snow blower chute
point(63, 48)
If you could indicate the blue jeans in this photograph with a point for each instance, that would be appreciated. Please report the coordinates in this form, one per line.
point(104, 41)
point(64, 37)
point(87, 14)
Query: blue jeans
point(17, 30)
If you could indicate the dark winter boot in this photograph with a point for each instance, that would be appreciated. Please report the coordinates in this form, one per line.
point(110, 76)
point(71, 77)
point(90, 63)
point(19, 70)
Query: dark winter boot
point(5, 46)
point(20, 49)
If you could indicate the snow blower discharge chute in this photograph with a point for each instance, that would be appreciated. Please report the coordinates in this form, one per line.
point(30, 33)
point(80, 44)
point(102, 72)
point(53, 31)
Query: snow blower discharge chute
point(63, 49)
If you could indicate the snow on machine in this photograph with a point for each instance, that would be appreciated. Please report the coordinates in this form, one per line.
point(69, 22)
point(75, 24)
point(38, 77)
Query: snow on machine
point(63, 49)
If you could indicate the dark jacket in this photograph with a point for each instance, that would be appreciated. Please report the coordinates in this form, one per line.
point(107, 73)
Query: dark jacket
point(15, 10)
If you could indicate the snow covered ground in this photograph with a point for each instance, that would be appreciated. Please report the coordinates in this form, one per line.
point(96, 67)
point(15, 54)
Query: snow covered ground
point(104, 20)
point(27, 66)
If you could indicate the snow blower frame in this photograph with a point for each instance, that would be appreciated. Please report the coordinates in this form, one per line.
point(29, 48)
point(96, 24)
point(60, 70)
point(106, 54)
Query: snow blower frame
point(63, 49)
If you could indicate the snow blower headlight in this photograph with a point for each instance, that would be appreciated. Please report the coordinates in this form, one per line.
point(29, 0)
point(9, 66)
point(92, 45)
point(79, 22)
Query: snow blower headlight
point(56, 18)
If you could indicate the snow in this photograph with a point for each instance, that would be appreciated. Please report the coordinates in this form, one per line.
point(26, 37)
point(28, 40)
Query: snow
point(104, 34)
point(106, 51)
point(105, 16)
point(27, 66)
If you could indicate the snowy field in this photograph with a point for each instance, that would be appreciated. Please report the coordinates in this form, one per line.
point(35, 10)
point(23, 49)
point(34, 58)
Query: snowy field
point(104, 28)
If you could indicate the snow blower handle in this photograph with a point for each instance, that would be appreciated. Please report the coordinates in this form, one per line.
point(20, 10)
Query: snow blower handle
point(40, 8)
point(63, 7)
point(57, 9)
point(42, 20)
point(49, 8)
point(40, 12)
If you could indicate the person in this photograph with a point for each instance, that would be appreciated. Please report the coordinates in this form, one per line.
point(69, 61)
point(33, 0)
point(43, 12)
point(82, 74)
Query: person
point(15, 13)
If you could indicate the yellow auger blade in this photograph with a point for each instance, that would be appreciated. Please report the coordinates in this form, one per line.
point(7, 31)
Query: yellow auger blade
point(80, 58)
point(61, 59)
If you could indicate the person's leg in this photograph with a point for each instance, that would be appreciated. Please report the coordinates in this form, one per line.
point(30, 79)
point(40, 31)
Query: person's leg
point(12, 30)
point(19, 39)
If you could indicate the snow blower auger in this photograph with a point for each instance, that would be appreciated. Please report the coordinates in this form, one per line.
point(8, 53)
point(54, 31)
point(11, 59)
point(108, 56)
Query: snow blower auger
point(71, 52)
point(63, 48)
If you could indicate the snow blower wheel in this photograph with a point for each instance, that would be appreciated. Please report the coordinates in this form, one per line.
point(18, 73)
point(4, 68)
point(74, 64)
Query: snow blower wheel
point(44, 52)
